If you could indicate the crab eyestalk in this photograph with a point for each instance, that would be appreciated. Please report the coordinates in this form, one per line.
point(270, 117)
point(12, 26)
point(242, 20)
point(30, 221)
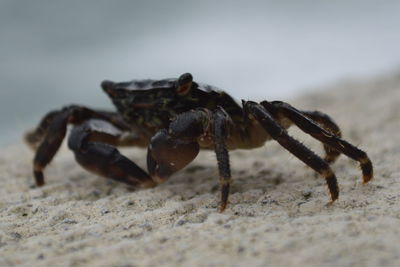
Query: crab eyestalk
point(107, 86)
point(184, 84)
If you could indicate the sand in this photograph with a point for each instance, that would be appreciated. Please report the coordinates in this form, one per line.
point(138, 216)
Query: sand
point(278, 213)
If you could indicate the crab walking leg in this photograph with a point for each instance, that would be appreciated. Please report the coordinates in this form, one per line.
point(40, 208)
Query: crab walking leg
point(50, 133)
point(324, 120)
point(36, 136)
point(278, 133)
point(104, 159)
point(49, 146)
point(327, 138)
point(328, 124)
point(220, 132)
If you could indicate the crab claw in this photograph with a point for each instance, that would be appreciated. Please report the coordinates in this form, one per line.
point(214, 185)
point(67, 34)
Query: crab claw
point(167, 155)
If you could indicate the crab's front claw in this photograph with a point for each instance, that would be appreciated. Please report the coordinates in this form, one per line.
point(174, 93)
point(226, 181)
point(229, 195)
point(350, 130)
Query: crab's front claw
point(167, 155)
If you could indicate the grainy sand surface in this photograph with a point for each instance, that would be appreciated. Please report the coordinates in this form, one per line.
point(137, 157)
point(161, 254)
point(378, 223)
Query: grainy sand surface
point(278, 213)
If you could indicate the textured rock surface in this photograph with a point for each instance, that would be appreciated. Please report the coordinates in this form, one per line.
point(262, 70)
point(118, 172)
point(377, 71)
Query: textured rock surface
point(278, 212)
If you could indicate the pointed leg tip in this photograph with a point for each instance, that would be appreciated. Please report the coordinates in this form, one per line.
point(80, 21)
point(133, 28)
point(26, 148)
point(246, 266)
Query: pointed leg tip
point(39, 178)
point(367, 169)
point(222, 207)
point(333, 200)
point(224, 196)
point(334, 197)
point(367, 178)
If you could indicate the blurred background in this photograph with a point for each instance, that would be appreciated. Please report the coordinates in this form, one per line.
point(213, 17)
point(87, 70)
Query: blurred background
point(53, 53)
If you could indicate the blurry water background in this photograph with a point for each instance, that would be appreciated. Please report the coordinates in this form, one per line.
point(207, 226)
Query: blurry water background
point(54, 53)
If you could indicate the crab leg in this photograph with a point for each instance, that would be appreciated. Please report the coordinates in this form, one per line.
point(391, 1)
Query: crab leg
point(324, 121)
point(50, 145)
point(328, 124)
point(48, 136)
point(220, 131)
point(327, 138)
point(94, 152)
point(36, 136)
point(278, 133)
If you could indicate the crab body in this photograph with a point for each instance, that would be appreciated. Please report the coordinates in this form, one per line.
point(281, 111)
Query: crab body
point(174, 119)
point(151, 105)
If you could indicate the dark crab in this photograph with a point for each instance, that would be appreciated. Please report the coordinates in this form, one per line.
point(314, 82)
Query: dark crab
point(174, 118)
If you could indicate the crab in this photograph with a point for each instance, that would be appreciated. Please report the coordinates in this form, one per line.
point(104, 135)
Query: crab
point(174, 119)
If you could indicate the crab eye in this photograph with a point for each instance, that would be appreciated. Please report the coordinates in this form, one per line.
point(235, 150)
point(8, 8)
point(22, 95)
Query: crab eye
point(184, 84)
point(107, 84)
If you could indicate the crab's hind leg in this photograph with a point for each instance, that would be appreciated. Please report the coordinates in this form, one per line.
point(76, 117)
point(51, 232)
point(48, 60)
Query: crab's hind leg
point(35, 137)
point(278, 133)
point(94, 150)
point(328, 138)
point(49, 143)
point(48, 136)
point(328, 124)
point(322, 119)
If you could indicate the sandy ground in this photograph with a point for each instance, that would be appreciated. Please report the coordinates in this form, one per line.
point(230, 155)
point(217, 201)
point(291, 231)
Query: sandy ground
point(278, 213)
